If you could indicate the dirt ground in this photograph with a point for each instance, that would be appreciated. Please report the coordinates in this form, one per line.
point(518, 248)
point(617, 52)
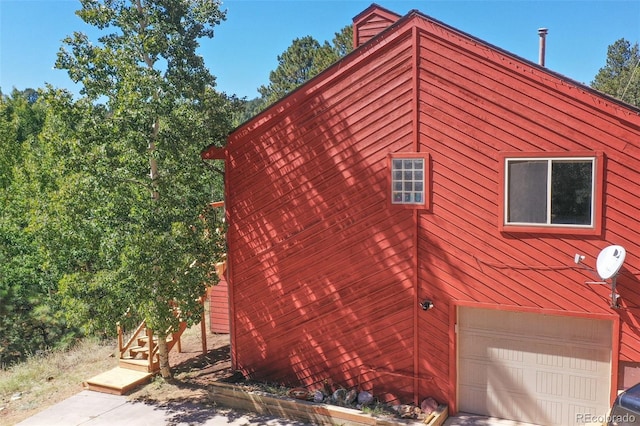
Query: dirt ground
point(192, 370)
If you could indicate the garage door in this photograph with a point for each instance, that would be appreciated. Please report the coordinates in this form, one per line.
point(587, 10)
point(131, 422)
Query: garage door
point(541, 369)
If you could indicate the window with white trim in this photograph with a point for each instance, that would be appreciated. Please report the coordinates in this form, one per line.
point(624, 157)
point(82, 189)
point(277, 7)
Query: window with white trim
point(408, 180)
point(553, 191)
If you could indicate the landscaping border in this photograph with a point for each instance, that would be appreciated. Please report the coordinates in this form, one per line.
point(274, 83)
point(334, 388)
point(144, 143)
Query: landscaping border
point(234, 396)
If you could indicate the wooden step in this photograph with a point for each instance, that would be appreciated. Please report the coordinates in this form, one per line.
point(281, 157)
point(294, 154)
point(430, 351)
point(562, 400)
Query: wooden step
point(117, 381)
point(142, 340)
point(143, 350)
point(141, 365)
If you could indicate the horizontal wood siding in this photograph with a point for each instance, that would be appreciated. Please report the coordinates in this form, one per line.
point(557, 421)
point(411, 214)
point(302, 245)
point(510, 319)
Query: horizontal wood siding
point(371, 22)
point(476, 102)
point(219, 307)
point(321, 272)
point(322, 267)
point(371, 28)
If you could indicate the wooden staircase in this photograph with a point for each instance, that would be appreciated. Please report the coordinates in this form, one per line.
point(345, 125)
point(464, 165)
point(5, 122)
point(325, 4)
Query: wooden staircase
point(138, 360)
point(140, 352)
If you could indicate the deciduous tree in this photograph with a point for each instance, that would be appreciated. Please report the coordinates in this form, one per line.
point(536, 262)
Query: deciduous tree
point(149, 106)
point(29, 320)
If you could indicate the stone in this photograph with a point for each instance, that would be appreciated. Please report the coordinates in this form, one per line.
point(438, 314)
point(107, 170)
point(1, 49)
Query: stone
point(339, 396)
point(365, 398)
point(406, 411)
point(298, 393)
point(428, 405)
point(351, 397)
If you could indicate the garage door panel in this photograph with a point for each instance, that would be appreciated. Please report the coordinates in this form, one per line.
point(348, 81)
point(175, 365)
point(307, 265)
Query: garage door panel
point(505, 350)
point(584, 389)
point(497, 401)
point(513, 405)
point(577, 411)
point(589, 360)
point(475, 398)
point(585, 330)
point(548, 412)
point(552, 356)
point(526, 372)
point(549, 383)
point(505, 378)
point(475, 373)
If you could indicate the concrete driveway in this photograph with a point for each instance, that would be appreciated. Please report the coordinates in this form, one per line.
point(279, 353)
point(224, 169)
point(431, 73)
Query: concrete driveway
point(90, 408)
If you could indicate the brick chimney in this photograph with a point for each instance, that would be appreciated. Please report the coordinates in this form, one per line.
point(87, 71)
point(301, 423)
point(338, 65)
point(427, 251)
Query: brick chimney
point(370, 22)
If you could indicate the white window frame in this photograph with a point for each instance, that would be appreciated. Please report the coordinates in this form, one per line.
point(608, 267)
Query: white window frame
point(411, 181)
point(550, 160)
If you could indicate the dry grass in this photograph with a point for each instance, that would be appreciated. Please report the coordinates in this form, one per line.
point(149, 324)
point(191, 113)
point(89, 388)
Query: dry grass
point(41, 381)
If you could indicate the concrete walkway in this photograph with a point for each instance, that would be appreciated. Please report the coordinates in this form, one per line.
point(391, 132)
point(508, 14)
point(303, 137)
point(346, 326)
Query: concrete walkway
point(464, 419)
point(89, 408)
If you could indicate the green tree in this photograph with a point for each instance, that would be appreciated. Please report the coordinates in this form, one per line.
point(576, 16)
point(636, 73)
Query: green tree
point(21, 120)
point(620, 77)
point(142, 187)
point(250, 109)
point(343, 41)
point(9, 145)
point(29, 319)
point(303, 60)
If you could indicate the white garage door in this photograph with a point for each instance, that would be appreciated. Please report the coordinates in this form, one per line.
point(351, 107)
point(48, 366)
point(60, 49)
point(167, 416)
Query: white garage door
point(541, 369)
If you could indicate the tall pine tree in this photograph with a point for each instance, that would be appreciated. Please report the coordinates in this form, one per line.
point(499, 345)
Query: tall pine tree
point(620, 77)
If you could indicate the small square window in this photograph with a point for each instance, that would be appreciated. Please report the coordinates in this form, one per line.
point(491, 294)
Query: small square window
point(407, 180)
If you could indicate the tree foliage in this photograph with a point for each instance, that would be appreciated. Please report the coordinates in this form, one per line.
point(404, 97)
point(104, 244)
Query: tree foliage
point(620, 77)
point(29, 315)
point(105, 197)
point(136, 193)
point(303, 60)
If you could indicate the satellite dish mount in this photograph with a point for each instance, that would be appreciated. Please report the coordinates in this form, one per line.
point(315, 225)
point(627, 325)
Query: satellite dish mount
point(608, 265)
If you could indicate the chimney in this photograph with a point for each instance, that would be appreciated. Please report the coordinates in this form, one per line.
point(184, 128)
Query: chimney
point(542, 32)
point(370, 22)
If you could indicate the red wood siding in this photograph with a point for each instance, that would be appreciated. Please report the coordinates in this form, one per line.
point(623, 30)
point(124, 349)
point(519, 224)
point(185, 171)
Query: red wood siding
point(325, 275)
point(371, 22)
point(322, 280)
point(474, 104)
point(219, 307)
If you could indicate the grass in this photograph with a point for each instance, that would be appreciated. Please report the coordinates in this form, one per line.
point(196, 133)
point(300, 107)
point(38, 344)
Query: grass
point(44, 380)
point(379, 409)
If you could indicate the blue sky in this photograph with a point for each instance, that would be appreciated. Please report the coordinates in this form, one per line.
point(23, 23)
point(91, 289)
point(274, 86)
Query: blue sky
point(246, 45)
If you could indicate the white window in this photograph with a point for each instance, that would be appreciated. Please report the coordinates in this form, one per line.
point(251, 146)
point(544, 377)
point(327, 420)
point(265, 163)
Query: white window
point(408, 181)
point(554, 191)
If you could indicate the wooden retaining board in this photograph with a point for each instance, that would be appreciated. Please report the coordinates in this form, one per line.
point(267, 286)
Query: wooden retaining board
point(233, 396)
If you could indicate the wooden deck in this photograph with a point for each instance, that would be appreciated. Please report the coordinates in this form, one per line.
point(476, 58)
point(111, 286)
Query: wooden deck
point(117, 381)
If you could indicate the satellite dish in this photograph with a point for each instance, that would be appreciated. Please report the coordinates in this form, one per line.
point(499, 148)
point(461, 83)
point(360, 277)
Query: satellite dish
point(610, 261)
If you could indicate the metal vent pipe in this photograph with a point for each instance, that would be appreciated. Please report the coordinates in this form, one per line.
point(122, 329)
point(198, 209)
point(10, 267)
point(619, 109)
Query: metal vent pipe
point(542, 32)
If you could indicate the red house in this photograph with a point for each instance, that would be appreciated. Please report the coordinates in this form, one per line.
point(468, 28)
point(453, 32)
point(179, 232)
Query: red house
point(412, 222)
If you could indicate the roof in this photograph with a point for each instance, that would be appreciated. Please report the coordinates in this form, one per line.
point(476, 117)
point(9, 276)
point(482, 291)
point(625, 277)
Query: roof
point(213, 152)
